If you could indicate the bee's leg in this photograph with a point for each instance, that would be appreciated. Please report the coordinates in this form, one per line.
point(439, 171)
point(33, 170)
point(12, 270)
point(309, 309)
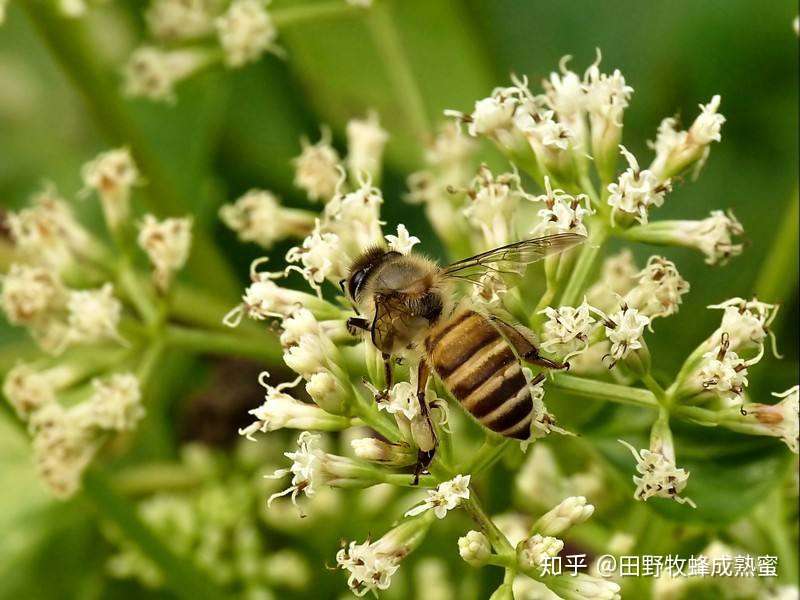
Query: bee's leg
point(355, 325)
point(521, 340)
point(424, 457)
point(388, 374)
point(533, 357)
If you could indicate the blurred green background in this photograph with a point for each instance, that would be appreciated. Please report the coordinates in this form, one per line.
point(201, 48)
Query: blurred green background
point(230, 131)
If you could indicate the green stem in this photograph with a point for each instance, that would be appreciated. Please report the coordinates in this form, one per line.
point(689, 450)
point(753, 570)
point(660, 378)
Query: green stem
point(656, 389)
point(583, 267)
point(407, 480)
point(141, 480)
point(499, 541)
point(137, 293)
point(265, 348)
point(179, 574)
point(297, 15)
point(72, 49)
point(601, 390)
point(492, 449)
point(395, 60)
point(778, 276)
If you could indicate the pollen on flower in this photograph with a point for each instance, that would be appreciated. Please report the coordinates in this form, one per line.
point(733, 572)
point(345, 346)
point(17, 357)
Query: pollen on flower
point(722, 372)
point(636, 190)
point(566, 331)
point(245, 32)
point(714, 236)
point(112, 174)
point(402, 399)
point(624, 329)
point(447, 496)
point(167, 244)
point(658, 476)
point(322, 257)
point(370, 566)
point(658, 290)
point(562, 213)
point(746, 322)
point(493, 202)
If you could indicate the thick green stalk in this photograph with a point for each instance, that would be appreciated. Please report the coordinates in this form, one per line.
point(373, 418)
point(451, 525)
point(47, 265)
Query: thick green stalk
point(265, 349)
point(499, 541)
point(778, 276)
point(179, 574)
point(387, 42)
point(71, 49)
point(583, 267)
point(601, 390)
point(318, 11)
point(492, 449)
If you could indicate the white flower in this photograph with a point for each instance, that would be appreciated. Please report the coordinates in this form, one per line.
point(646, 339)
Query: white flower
point(402, 399)
point(355, 218)
point(492, 114)
point(636, 190)
point(179, 19)
point(62, 448)
point(450, 152)
point(258, 217)
point(565, 93)
point(562, 213)
point(28, 390)
point(317, 169)
point(305, 467)
point(327, 391)
point(47, 232)
point(93, 315)
point(706, 127)
point(115, 404)
point(245, 32)
point(279, 410)
point(778, 420)
point(365, 141)
point(723, 372)
point(167, 244)
point(402, 242)
point(543, 132)
point(714, 236)
point(489, 289)
point(659, 289)
point(153, 73)
point(659, 476)
point(370, 566)
point(447, 496)
point(307, 356)
point(296, 325)
point(474, 548)
point(30, 294)
point(624, 329)
point(746, 322)
point(537, 548)
point(493, 204)
point(567, 329)
point(570, 512)
point(112, 174)
point(322, 257)
point(606, 97)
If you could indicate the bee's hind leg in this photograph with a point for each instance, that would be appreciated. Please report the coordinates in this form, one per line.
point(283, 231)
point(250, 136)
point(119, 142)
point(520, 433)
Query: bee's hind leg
point(533, 357)
point(424, 457)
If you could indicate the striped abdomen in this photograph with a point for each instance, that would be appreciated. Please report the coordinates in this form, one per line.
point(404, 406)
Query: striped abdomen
point(479, 367)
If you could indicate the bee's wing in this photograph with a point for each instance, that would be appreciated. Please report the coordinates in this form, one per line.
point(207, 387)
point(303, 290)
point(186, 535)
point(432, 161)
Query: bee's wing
point(510, 259)
point(392, 319)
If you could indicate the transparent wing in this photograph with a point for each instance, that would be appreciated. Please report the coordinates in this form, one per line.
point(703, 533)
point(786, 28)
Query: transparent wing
point(511, 259)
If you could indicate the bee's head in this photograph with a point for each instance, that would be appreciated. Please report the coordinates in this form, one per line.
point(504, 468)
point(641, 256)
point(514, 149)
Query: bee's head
point(361, 269)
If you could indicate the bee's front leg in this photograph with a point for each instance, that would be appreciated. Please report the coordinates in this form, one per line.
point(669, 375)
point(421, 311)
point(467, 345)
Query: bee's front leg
point(357, 325)
point(424, 460)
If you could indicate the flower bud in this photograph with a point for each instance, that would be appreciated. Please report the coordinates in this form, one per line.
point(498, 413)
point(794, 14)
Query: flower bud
point(167, 245)
point(365, 141)
point(112, 174)
point(28, 390)
point(258, 217)
point(245, 32)
point(504, 592)
point(571, 511)
point(474, 548)
point(777, 420)
point(531, 552)
point(583, 587)
point(375, 450)
point(317, 168)
point(327, 392)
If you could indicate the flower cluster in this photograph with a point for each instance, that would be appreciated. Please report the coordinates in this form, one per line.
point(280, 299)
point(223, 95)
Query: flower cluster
point(188, 36)
point(76, 296)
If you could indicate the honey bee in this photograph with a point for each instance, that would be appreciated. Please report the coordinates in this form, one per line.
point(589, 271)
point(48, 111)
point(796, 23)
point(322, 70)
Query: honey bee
point(409, 303)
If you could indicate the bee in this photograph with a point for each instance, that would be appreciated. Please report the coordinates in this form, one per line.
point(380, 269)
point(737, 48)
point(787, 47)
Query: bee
point(408, 303)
